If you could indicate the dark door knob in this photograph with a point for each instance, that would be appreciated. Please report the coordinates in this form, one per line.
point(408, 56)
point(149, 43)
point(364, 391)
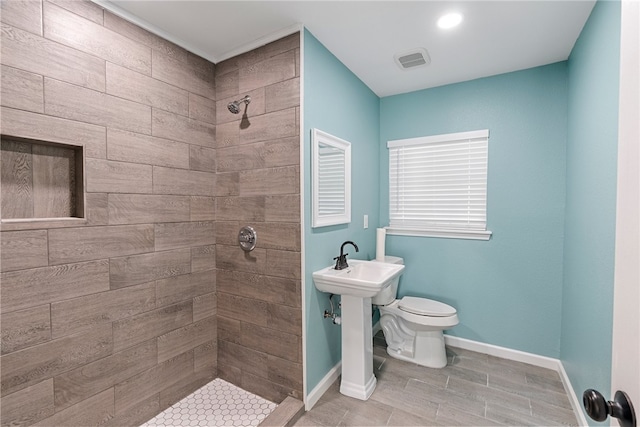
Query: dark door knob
point(620, 407)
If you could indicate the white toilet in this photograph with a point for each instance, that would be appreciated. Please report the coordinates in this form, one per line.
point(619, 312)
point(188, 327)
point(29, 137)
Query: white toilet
point(413, 326)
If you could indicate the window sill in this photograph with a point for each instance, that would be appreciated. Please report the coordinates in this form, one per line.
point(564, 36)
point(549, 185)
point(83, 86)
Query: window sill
point(445, 234)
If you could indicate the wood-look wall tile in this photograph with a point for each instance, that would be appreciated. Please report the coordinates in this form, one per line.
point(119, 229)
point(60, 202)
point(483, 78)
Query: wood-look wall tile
point(270, 341)
point(87, 36)
point(78, 384)
point(283, 263)
point(202, 159)
point(138, 87)
point(146, 208)
point(27, 367)
point(187, 385)
point(276, 125)
point(297, 62)
point(282, 180)
point(54, 181)
point(147, 384)
point(97, 208)
point(137, 415)
point(229, 329)
point(29, 52)
point(184, 234)
point(246, 359)
point(255, 108)
point(106, 176)
point(23, 249)
point(183, 182)
point(185, 287)
point(186, 338)
point(85, 8)
point(81, 244)
point(86, 105)
point(269, 50)
point(202, 109)
point(284, 318)
point(194, 77)
point(230, 374)
point(203, 258)
point(143, 327)
point(94, 411)
point(234, 258)
point(266, 388)
point(267, 72)
point(274, 290)
point(24, 14)
point(280, 235)
point(283, 95)
point(134, 147)
point(227, 184)
point(203, 208)
point(180, 128)
point(227, 85)
point(134, 32)
point(285, 372)
point(205, 357)
point(28, 125)
point(17, 179)
point(25, 328)
point(24, 288)
point(81, 314)
point(240, 208)
point(265, 154)
point(28, 405)
point(243, 309)
point(204, 306)
point(22, 90)
point(136, 269)
point(228, 134)
point(282, 208)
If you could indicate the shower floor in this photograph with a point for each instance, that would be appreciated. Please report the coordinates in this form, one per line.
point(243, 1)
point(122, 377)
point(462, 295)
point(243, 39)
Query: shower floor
point(218, 403)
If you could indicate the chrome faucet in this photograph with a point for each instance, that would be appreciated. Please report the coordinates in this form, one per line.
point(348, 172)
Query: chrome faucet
point(341, 261)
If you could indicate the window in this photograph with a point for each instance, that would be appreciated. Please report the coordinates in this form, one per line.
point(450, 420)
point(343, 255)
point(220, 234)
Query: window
point(438, 186)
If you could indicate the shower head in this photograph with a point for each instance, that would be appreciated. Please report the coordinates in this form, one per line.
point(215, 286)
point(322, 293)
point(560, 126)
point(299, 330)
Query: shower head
point(234, 106)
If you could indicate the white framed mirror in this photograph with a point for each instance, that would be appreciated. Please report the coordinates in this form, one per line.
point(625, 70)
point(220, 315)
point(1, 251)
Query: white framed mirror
point(331, 183)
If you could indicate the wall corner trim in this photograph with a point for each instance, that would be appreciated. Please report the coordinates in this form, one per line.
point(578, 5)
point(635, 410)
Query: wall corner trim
point(524, 357)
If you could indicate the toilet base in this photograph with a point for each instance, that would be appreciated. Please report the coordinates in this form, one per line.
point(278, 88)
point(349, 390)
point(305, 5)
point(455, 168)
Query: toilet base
point(428, 350)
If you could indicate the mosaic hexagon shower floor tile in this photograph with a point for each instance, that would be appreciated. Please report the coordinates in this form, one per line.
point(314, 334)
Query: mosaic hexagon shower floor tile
point(218, 403)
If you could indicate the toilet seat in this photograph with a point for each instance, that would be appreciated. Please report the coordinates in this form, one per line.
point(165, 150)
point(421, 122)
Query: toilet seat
point(425, 307)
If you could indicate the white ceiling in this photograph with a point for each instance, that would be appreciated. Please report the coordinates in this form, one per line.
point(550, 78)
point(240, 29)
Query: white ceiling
point(495, 36)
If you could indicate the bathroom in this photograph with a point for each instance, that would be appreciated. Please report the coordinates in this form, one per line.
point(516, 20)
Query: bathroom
point(149, 296)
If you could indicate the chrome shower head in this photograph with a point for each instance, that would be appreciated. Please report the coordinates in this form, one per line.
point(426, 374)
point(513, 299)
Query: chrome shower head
point(234, 106)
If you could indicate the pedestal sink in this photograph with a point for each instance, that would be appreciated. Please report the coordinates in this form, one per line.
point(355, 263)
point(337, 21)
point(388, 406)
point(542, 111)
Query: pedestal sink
point(357, 284)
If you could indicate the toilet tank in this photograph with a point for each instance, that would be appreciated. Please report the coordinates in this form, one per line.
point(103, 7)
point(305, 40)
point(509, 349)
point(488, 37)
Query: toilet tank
point(388, 294)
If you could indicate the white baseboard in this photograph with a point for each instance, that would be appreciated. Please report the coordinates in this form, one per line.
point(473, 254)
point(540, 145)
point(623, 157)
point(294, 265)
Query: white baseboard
point(524, 357)
point(323, 386)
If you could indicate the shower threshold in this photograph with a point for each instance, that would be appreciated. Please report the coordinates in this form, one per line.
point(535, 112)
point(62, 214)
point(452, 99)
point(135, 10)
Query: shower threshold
point(218, 403)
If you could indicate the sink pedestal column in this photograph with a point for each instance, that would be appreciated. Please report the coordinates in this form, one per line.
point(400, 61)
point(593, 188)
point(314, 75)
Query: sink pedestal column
point(357, 348)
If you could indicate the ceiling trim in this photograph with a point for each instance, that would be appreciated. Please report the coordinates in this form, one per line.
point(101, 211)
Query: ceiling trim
point(277, 35)
point(116, 10)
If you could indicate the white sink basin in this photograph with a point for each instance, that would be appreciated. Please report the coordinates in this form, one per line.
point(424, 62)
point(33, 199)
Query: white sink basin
point(362, 279)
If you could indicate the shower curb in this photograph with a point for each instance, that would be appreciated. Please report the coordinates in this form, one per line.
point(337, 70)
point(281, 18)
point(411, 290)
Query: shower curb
point(285, 414)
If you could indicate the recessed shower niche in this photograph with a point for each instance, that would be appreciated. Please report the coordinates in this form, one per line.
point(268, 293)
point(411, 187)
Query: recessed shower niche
point(40, 180)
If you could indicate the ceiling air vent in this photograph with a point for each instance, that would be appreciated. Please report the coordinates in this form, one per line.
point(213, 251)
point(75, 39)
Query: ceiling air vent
point(413, 59)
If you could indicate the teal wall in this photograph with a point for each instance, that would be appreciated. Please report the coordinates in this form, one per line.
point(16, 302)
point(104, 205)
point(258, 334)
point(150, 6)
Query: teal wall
point(337, 102)
point(587, 305)
point(507, 290)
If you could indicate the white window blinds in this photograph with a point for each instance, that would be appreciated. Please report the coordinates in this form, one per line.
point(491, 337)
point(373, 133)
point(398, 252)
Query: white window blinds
point(439, 182)
point(331, 180)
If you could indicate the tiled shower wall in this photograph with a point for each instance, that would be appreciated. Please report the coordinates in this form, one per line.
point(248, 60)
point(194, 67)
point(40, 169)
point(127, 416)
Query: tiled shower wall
point(258, 184)
point(111, 321)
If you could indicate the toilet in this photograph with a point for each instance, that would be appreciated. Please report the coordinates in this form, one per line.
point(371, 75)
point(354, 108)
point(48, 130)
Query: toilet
point(413, 326)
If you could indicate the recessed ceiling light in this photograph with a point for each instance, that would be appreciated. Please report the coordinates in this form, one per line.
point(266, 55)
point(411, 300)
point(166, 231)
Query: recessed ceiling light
point(449, 20)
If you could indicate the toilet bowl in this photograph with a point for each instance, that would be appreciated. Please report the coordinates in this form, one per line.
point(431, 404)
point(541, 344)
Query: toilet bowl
point(413, 326)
